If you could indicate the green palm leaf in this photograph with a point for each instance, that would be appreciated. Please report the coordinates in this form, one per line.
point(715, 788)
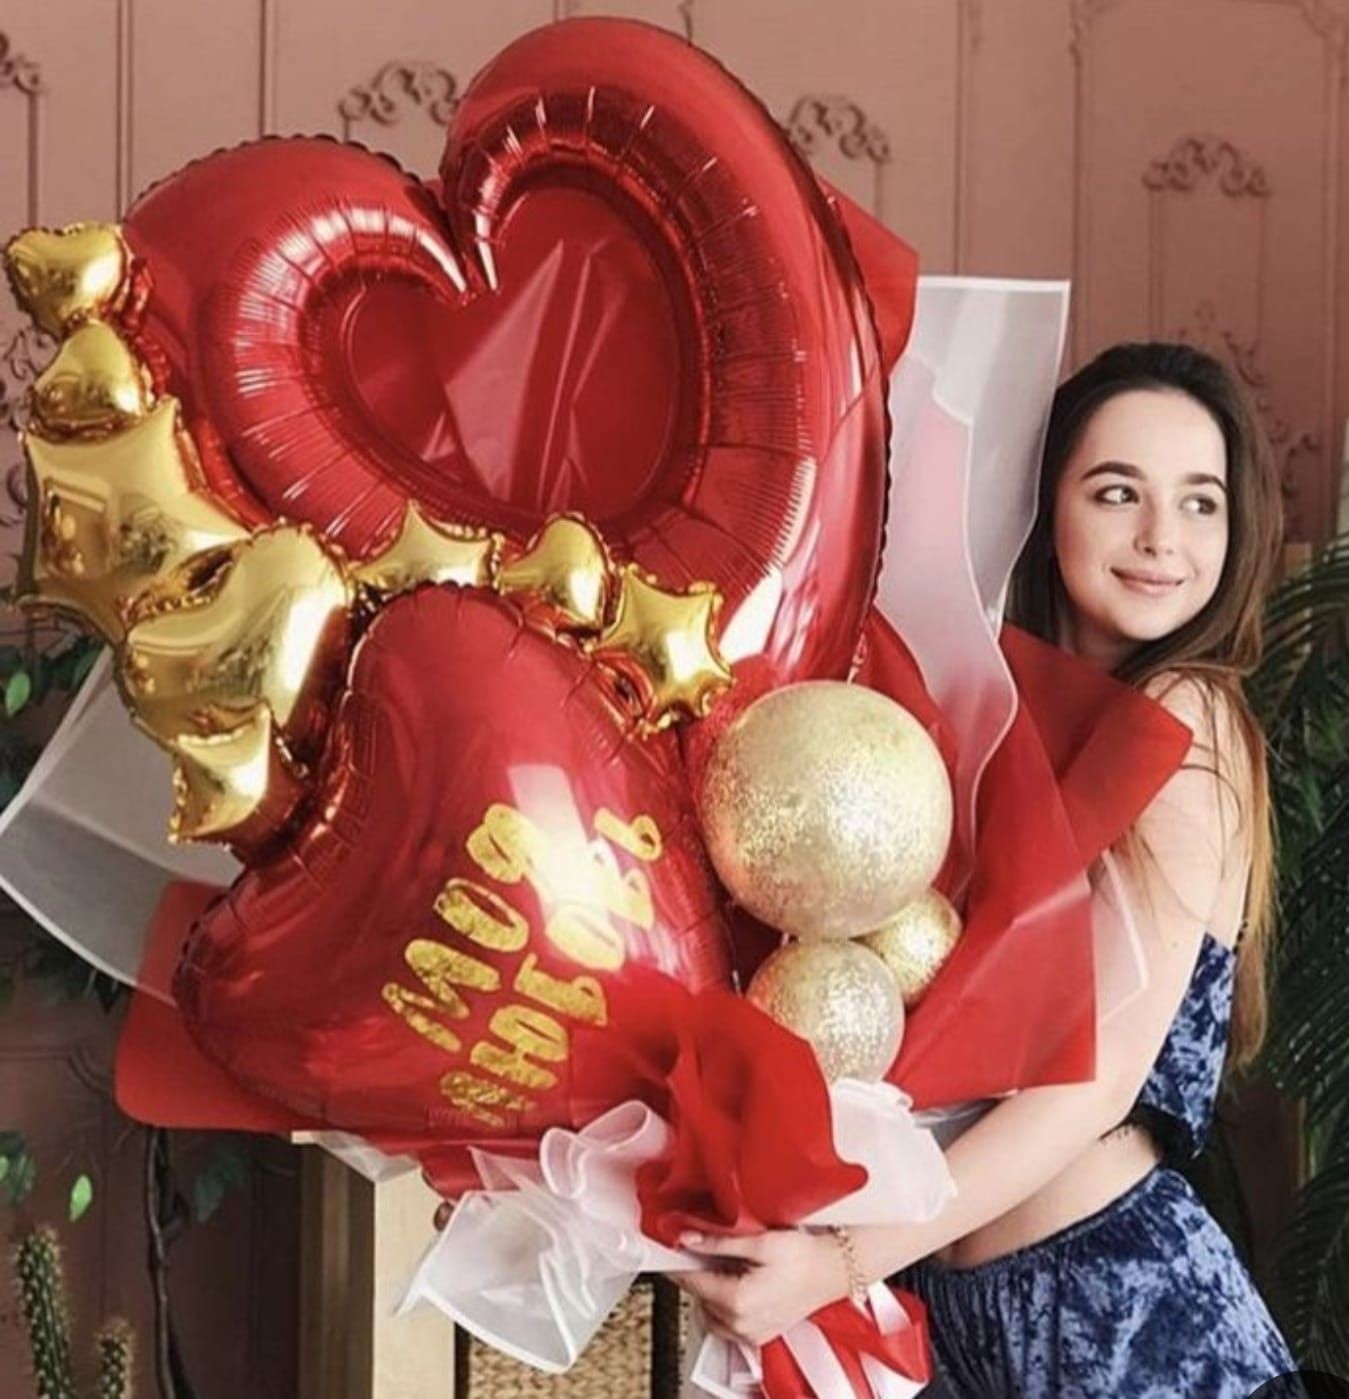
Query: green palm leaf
point(1301, 693)
point(1311, 1272)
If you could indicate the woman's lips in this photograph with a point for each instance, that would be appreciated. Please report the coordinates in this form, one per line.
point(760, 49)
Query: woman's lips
point(1149, 584)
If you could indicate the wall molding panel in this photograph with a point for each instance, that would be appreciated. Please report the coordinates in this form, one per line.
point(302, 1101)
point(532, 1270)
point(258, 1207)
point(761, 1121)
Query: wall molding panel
point(21, 76)
point(1265, 292)
point(1009, 152)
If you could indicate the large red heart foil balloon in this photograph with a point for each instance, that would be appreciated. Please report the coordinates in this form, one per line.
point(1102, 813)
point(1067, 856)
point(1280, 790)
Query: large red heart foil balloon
point(491, 850)
point(626, 297)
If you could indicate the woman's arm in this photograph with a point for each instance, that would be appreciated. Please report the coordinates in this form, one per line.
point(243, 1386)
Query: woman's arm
point(1009, 1155)
point(1187, 867)
point(1191, 863)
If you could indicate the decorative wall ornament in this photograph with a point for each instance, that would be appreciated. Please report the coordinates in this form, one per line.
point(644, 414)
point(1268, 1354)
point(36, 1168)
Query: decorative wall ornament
point(27, 350)
point(396, 86)
point(21, 360)
point(818, 118)
point(13, 495)
point(1193, 158)
point(17, 71)
point(828, 115)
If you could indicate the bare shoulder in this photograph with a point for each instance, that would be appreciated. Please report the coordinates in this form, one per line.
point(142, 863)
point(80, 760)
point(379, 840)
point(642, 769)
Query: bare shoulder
point(1200, 702)
point(1222, 732)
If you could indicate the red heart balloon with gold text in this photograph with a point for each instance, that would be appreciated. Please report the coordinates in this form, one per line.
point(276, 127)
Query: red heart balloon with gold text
point(491, 850)
point(632, 300)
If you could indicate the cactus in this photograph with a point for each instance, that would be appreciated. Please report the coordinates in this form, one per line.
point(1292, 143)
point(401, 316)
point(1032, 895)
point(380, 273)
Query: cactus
point(42, 1297)
point(116, 1345)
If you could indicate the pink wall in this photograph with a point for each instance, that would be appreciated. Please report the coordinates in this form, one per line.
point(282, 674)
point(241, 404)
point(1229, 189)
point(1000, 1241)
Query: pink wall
point(1180, 160)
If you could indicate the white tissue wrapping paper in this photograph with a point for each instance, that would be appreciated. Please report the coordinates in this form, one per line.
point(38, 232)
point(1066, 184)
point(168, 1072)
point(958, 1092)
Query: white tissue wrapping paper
point(534, 1262)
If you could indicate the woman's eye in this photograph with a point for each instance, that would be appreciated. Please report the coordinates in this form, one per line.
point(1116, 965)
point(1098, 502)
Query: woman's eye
point(1116, 495)
point(1201, 505)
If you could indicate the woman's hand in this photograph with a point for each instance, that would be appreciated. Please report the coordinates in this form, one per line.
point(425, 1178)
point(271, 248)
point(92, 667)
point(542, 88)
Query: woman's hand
point(759, 1286)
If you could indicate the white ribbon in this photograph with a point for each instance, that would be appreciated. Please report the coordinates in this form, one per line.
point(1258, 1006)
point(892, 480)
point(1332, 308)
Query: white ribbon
point(534, 1262)
point(731, 1370)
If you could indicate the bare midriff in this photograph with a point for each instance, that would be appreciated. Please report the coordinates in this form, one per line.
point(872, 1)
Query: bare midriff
point(1102, 1173)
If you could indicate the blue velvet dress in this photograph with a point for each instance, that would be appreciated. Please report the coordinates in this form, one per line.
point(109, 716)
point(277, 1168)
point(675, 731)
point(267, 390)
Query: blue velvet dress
point(1146, 1299)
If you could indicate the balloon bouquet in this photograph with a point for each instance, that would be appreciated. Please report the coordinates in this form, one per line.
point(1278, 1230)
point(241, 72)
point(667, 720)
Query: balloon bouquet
point(492, 557)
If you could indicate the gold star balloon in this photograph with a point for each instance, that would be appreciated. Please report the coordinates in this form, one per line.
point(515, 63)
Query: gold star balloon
point(562, 577)
point(663, 644)
point(63, 276)
point(426, 551)
point(237, 788)
point(112, 520)
point(271, 629)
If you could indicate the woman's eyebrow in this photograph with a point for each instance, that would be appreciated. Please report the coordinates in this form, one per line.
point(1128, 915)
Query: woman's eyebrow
point(1127, 468)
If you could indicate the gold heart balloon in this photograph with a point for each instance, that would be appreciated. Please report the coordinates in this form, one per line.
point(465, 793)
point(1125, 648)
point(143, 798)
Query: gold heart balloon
point(563, 576)
point(94, 386)
point(428, 551)
point(61, 277)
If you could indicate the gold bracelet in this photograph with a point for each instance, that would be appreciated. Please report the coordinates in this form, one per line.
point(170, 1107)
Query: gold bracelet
point(857, 1283)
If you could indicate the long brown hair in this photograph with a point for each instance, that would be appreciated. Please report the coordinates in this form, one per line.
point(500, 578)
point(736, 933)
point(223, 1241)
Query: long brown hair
point(1222, 642)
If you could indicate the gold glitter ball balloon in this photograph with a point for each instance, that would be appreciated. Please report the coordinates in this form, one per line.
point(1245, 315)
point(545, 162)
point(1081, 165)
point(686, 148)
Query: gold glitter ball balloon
point(826, 808)
point(916, 942)
point(840, 999)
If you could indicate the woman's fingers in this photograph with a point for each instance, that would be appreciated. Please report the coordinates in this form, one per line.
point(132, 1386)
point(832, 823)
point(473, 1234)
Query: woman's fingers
point(712, 1288)
point(748, 1248)
point(722, 1297)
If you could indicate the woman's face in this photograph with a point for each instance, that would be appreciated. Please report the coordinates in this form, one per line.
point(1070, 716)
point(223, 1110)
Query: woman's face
point(1140, 522)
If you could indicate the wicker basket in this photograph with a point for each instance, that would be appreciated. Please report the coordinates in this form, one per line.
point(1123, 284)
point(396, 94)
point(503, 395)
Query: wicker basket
point(638, 1353)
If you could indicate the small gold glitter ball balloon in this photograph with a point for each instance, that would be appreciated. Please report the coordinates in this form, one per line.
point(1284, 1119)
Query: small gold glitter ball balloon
point(826, 808)
point(916, 942)
point(840, 999)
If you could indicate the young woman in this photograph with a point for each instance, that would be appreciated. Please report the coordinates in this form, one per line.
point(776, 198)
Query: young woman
point(1075, 1260)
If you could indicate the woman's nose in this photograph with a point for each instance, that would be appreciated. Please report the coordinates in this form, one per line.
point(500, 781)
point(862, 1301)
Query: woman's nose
point(1156, 534)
